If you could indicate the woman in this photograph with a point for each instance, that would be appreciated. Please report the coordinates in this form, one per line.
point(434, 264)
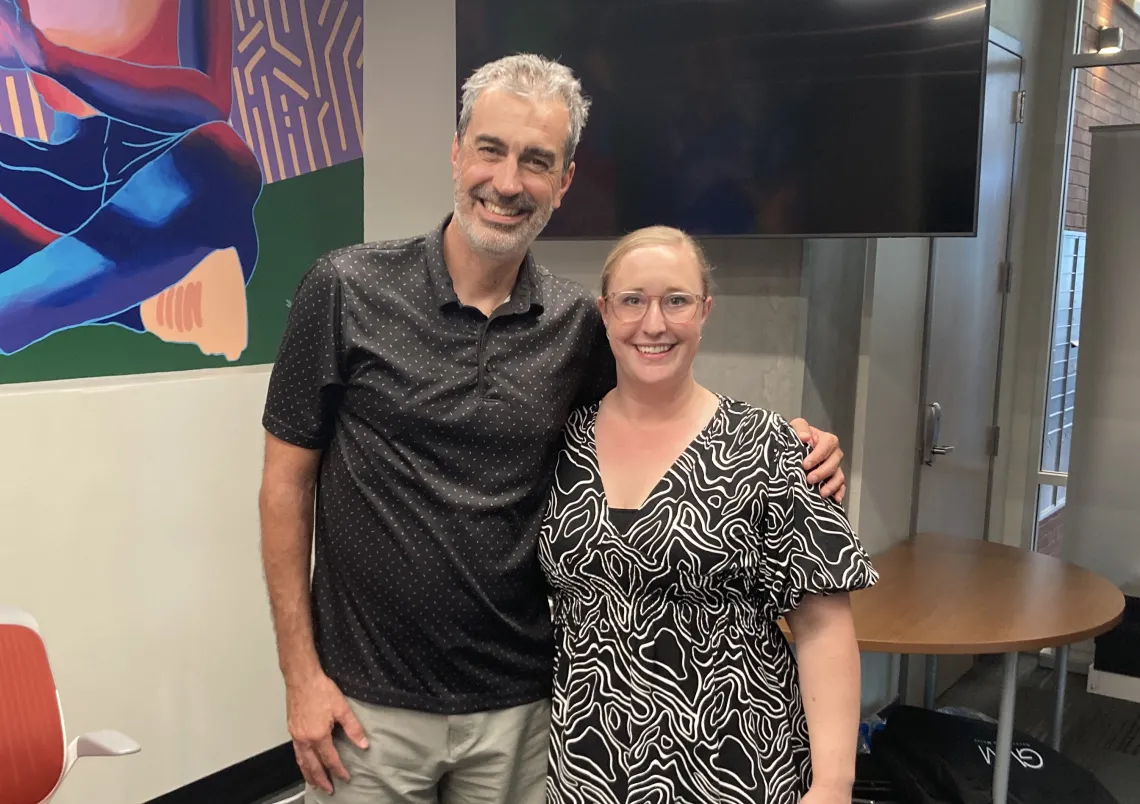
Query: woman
point(680, 528)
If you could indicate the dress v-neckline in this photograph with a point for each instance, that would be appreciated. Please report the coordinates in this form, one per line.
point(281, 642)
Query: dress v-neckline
point(592, 443)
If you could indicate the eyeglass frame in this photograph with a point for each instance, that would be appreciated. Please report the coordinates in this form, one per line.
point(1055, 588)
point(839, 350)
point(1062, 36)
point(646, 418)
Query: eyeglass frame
point(698, 298)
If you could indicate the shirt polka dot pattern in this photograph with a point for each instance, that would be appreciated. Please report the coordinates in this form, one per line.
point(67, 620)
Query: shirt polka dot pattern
point(440, 427)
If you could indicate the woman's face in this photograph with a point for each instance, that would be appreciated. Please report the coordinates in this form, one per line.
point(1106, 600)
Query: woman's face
point(654, 310)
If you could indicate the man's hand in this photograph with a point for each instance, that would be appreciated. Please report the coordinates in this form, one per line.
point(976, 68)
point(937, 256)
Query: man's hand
point(315, 707)
point(822, 463)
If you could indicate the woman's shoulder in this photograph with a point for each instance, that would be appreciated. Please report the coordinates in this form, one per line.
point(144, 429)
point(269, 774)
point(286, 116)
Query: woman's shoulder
point(757, 424)
point(579, 422)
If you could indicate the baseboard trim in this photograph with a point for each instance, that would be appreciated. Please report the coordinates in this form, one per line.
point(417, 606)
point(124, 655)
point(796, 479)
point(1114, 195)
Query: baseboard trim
point(266, 777)
point(1114, 685)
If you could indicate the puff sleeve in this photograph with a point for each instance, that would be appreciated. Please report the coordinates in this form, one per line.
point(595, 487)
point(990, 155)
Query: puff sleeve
point(809, 547)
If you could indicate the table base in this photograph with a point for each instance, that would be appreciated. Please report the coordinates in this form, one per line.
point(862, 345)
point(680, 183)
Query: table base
point(1003, 750)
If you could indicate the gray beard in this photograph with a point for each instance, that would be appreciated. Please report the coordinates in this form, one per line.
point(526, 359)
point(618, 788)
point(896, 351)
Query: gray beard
point(488, 239)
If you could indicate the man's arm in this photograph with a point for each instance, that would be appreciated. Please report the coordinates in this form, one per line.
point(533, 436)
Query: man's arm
point(286, 502)
point(823, 461)
point(305, 390)
point(315, 704)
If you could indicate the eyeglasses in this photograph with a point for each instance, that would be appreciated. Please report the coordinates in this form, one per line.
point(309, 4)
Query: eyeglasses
point(632, 305)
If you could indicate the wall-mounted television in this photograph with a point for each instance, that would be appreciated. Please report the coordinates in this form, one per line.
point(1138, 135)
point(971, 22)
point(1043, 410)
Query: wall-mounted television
point(772, 118)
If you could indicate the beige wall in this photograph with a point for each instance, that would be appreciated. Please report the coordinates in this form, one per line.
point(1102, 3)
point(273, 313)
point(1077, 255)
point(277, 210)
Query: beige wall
point(130, 533)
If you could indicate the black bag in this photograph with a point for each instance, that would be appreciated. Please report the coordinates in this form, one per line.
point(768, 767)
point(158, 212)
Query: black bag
point(873, 783)
point(939, 758)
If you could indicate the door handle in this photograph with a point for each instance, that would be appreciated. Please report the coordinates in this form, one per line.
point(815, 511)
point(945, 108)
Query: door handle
point(932, 428)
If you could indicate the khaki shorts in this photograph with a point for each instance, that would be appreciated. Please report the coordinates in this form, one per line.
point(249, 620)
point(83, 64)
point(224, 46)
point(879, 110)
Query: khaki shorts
point(419, 758)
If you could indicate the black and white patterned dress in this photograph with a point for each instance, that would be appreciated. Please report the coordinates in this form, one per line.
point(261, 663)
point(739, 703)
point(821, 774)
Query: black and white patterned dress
point(673, 682)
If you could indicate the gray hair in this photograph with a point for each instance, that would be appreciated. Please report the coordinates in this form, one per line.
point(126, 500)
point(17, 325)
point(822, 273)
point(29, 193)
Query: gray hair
point(530, 76)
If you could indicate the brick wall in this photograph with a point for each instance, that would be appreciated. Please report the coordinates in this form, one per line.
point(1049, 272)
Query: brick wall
point(1051, 534)
point(1105, 96)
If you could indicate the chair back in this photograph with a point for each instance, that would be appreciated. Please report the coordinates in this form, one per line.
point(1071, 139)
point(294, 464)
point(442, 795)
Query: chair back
point(32, 742)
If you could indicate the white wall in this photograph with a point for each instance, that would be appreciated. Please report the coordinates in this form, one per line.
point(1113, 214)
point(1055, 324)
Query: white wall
point(130, 533)
point(1102, 512)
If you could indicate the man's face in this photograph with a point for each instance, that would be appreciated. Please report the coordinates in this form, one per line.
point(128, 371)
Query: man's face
point(508, 172)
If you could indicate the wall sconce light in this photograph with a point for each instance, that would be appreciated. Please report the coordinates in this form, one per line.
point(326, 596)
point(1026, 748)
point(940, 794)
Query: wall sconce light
point(1109, 41)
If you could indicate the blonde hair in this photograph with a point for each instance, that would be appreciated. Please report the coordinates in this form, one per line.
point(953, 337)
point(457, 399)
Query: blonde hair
point(656, 236)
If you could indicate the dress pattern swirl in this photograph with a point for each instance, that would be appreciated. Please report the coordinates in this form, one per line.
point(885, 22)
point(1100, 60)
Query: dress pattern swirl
point(673, 683)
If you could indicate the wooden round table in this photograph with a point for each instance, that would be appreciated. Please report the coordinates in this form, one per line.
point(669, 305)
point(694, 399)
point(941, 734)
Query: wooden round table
point(942, 594)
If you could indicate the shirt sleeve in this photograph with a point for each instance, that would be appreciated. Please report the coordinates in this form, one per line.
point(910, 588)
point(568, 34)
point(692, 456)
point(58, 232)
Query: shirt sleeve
point(600, 373)
point(809, 546)
point(308, 377)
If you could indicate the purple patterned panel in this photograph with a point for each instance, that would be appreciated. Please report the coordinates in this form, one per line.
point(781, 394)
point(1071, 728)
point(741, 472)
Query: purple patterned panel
point(298, 82)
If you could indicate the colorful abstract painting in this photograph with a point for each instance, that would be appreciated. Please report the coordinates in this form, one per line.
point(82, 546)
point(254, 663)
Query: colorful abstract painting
point(168, 171)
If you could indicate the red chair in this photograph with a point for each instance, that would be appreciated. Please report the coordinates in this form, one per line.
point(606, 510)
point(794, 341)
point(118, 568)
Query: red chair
point(35, 756)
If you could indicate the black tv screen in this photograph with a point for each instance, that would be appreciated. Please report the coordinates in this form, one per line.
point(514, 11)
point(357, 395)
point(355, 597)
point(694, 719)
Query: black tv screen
point(759, 117)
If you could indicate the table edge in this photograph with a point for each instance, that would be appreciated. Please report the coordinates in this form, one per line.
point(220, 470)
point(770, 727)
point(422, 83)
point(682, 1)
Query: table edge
point(979, 647)
point(989, 647)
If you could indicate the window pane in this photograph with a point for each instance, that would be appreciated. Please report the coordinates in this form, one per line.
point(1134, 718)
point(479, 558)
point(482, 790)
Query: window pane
point(1050, 530)
point(1097, 14)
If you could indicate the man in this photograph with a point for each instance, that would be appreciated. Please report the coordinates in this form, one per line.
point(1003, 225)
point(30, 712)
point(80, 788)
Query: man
point(414, 411)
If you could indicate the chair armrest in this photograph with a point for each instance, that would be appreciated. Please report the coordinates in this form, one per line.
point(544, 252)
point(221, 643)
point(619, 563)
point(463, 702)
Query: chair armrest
point(105, 743)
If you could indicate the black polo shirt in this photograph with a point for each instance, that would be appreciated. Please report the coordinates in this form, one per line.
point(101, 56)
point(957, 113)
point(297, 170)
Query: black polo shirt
point(440, 428)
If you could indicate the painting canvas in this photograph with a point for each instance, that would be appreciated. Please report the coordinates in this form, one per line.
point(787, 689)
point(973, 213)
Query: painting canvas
point(168, 171)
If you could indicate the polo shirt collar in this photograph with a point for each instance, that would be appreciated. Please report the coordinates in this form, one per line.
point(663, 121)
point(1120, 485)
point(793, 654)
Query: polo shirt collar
point(526, 295)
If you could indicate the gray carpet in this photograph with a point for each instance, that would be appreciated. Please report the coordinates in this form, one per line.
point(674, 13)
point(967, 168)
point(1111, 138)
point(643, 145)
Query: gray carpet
point(1100, 733)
